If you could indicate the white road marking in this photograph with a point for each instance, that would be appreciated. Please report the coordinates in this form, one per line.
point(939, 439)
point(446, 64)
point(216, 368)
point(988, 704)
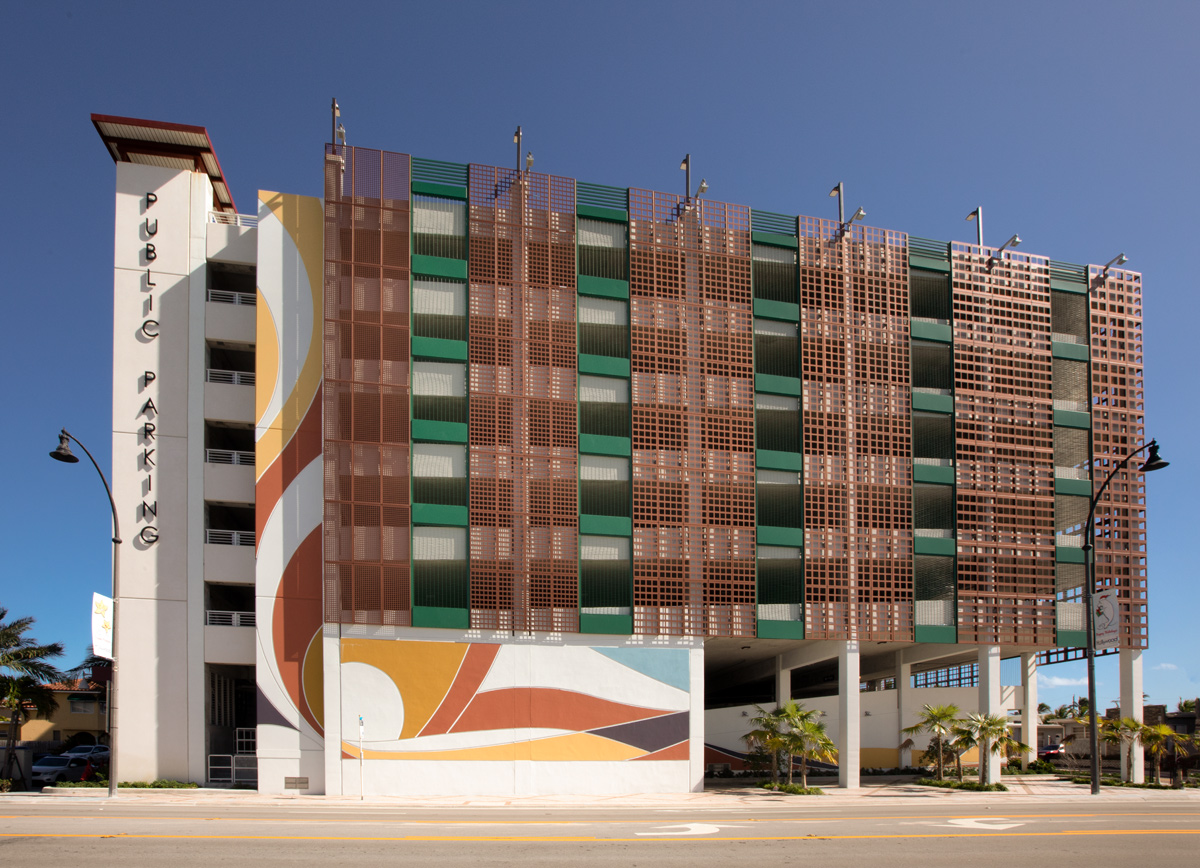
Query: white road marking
point(981, 823)
point(690, 829)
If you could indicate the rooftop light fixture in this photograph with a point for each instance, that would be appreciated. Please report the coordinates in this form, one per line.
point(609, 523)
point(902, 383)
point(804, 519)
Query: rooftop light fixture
point(1015, 241)
point(1119, 259)
point(858, 215)
point(685, 165)
point(703, 188)
point(839, 191)
point(977, 216)
point(517, 141)
point(528, 160)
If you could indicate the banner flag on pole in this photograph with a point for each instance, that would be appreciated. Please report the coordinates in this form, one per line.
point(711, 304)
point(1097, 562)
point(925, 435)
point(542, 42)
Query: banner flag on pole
point(102, 626)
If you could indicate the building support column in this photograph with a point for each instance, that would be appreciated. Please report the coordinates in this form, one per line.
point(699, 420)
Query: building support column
point(849, 712)
point(783, 683)
point(989, 700)
point(1131, 706)
point(1029, 712)
point(903, 695)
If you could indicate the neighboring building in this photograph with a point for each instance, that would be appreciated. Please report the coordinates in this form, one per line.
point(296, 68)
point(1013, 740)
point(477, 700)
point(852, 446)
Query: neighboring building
point(500, 480)
point(80, 718)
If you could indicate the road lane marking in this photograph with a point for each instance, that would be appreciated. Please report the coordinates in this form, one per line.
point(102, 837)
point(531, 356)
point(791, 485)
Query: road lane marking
point(982, 823)
point(688, 829)
point(593, 839)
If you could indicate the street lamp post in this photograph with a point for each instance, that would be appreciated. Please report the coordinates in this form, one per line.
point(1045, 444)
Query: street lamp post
point(1152, 462)
point(63, 453)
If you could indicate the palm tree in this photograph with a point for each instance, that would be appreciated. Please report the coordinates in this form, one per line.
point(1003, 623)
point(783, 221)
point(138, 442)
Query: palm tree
point(806, 738)
point(1186, 705)
point(1159, 740)
point(24, 668)
point(1123, 731)
point(937, 721)
point(991, 733)
point(768, 736)
point(1043, 712)
point(962, 740)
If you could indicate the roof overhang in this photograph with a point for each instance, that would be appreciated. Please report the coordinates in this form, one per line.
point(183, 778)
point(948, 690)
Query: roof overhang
point(172, 146)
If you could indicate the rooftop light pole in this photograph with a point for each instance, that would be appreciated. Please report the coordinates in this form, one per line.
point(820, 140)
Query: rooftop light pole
point(63, 453)
point(839, 191)
point(517, 136)
point(977, 216)
point(686, 166)
point(1119, 259)
point(1152, 462)
point(1015, 241)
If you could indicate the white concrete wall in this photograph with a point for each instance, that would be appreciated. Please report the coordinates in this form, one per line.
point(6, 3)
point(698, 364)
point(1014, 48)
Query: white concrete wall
point(229, 564)
point(229, 322)
point(229, 483)
point(229, 645)
point(234, 244)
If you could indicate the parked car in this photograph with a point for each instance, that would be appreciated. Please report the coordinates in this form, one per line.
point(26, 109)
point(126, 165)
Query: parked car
point(52, 769)
point(1050, 751)
point(89, 751)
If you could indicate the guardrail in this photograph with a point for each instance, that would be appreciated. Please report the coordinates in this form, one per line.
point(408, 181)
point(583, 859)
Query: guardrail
point(228, 296)
point(225, 768)
point(228, 456)
point(249, 221)
point(229, 537)
point(236, 378)
point(217, 618)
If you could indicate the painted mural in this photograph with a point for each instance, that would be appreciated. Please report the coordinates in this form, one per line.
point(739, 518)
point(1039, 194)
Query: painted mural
point(481, 702)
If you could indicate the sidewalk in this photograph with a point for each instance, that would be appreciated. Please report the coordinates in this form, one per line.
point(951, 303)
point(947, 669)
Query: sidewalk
point(1028, 789)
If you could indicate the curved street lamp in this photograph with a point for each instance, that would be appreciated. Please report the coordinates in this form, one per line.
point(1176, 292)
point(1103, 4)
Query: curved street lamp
point(63, 453)
point(1152, 462)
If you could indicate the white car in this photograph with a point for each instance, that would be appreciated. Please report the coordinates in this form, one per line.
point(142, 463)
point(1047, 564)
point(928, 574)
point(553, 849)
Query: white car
point(89, 751)
point(52, 769)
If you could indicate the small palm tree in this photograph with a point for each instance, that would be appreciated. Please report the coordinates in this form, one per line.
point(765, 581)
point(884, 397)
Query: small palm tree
point(768, 736)
point(24, 668)
point(992, 735)
point(937, 721)
point(962, 740)
point(806, 738)
point(1123, 732)
point(1043, 711)
point(1186, 704)
point(1160, 740)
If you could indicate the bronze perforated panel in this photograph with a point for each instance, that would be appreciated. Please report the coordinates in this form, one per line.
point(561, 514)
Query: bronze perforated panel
point(854, 316)
point(366, 381)
point(1118, 429)
point(691, 319)
point(1005, 447)
point(521, 380)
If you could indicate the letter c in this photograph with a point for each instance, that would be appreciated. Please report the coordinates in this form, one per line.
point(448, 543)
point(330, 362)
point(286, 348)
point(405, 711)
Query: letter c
point(148, 325)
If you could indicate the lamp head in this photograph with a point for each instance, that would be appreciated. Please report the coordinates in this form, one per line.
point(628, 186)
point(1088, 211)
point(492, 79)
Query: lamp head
point(685, 162)
point(858, 215)
point(517, 136)
point(973, 214)
point(63, 452)
point(528, 160)
point(836, 191)
point(703, 188)
point(1153, 461)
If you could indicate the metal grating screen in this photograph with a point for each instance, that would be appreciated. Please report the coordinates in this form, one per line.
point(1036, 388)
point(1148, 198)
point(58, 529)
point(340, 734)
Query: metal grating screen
point(1118, 427)
point(693, 416)
point(854, 330)
point(366, 371)
point(1005, 450)
point(522, 372)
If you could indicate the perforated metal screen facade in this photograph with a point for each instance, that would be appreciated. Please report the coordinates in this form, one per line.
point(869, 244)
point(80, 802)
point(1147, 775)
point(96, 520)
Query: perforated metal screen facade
point(366, 372)
point(521, 379)
point(693, 416)
point(854, 334)
point(1005, 447)
point(1118, 429)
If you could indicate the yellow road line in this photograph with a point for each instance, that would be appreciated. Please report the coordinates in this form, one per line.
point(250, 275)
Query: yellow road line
point(594, 839)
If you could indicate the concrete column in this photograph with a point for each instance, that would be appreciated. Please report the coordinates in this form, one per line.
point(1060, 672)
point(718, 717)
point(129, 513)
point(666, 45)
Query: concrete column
point(989, 699)
point(1029, 714)
point(783, 682)
point(903, 713)
point(1131, 706)
point(849, 713)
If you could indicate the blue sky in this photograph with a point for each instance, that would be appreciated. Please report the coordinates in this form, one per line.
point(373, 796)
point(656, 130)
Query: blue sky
point(1072, 124)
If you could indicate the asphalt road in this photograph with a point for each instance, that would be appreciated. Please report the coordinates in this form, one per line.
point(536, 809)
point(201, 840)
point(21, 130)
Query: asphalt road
point(1060, 833)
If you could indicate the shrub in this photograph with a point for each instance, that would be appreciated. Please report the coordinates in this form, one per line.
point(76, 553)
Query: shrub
point(5, 785)
point(792, 789)
point(974, 786)
point(136, 785)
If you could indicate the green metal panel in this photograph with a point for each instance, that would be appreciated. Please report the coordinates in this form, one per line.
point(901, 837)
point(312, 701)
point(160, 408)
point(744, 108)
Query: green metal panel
point(933, 473)
point(1063, 350)
point(916, 260)
point(1081, 487)
point(604, 287)
point(428, 431)
point(620, 624)
point(776, 385)
point(1070, 638)
point(933, 403)
point(1072, 419)
point(1068, 286)
point(780, 629)
point(439, 348)
point(935, 545)
point(771, 460)
point(1068, 555)
point(782, 310)
point(606, 525)
point(597, 213)
point(932, 331)
point(446, 191)
point(780, 536)
point(604, 366)
point(439, 616)
point(938, 635)
point(439, 515)
point(775, 239)
point(439, 266)
point(602, 444)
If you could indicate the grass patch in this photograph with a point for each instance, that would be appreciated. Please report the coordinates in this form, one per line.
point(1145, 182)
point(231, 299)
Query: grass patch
point(974, 786)
point(792, 789)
